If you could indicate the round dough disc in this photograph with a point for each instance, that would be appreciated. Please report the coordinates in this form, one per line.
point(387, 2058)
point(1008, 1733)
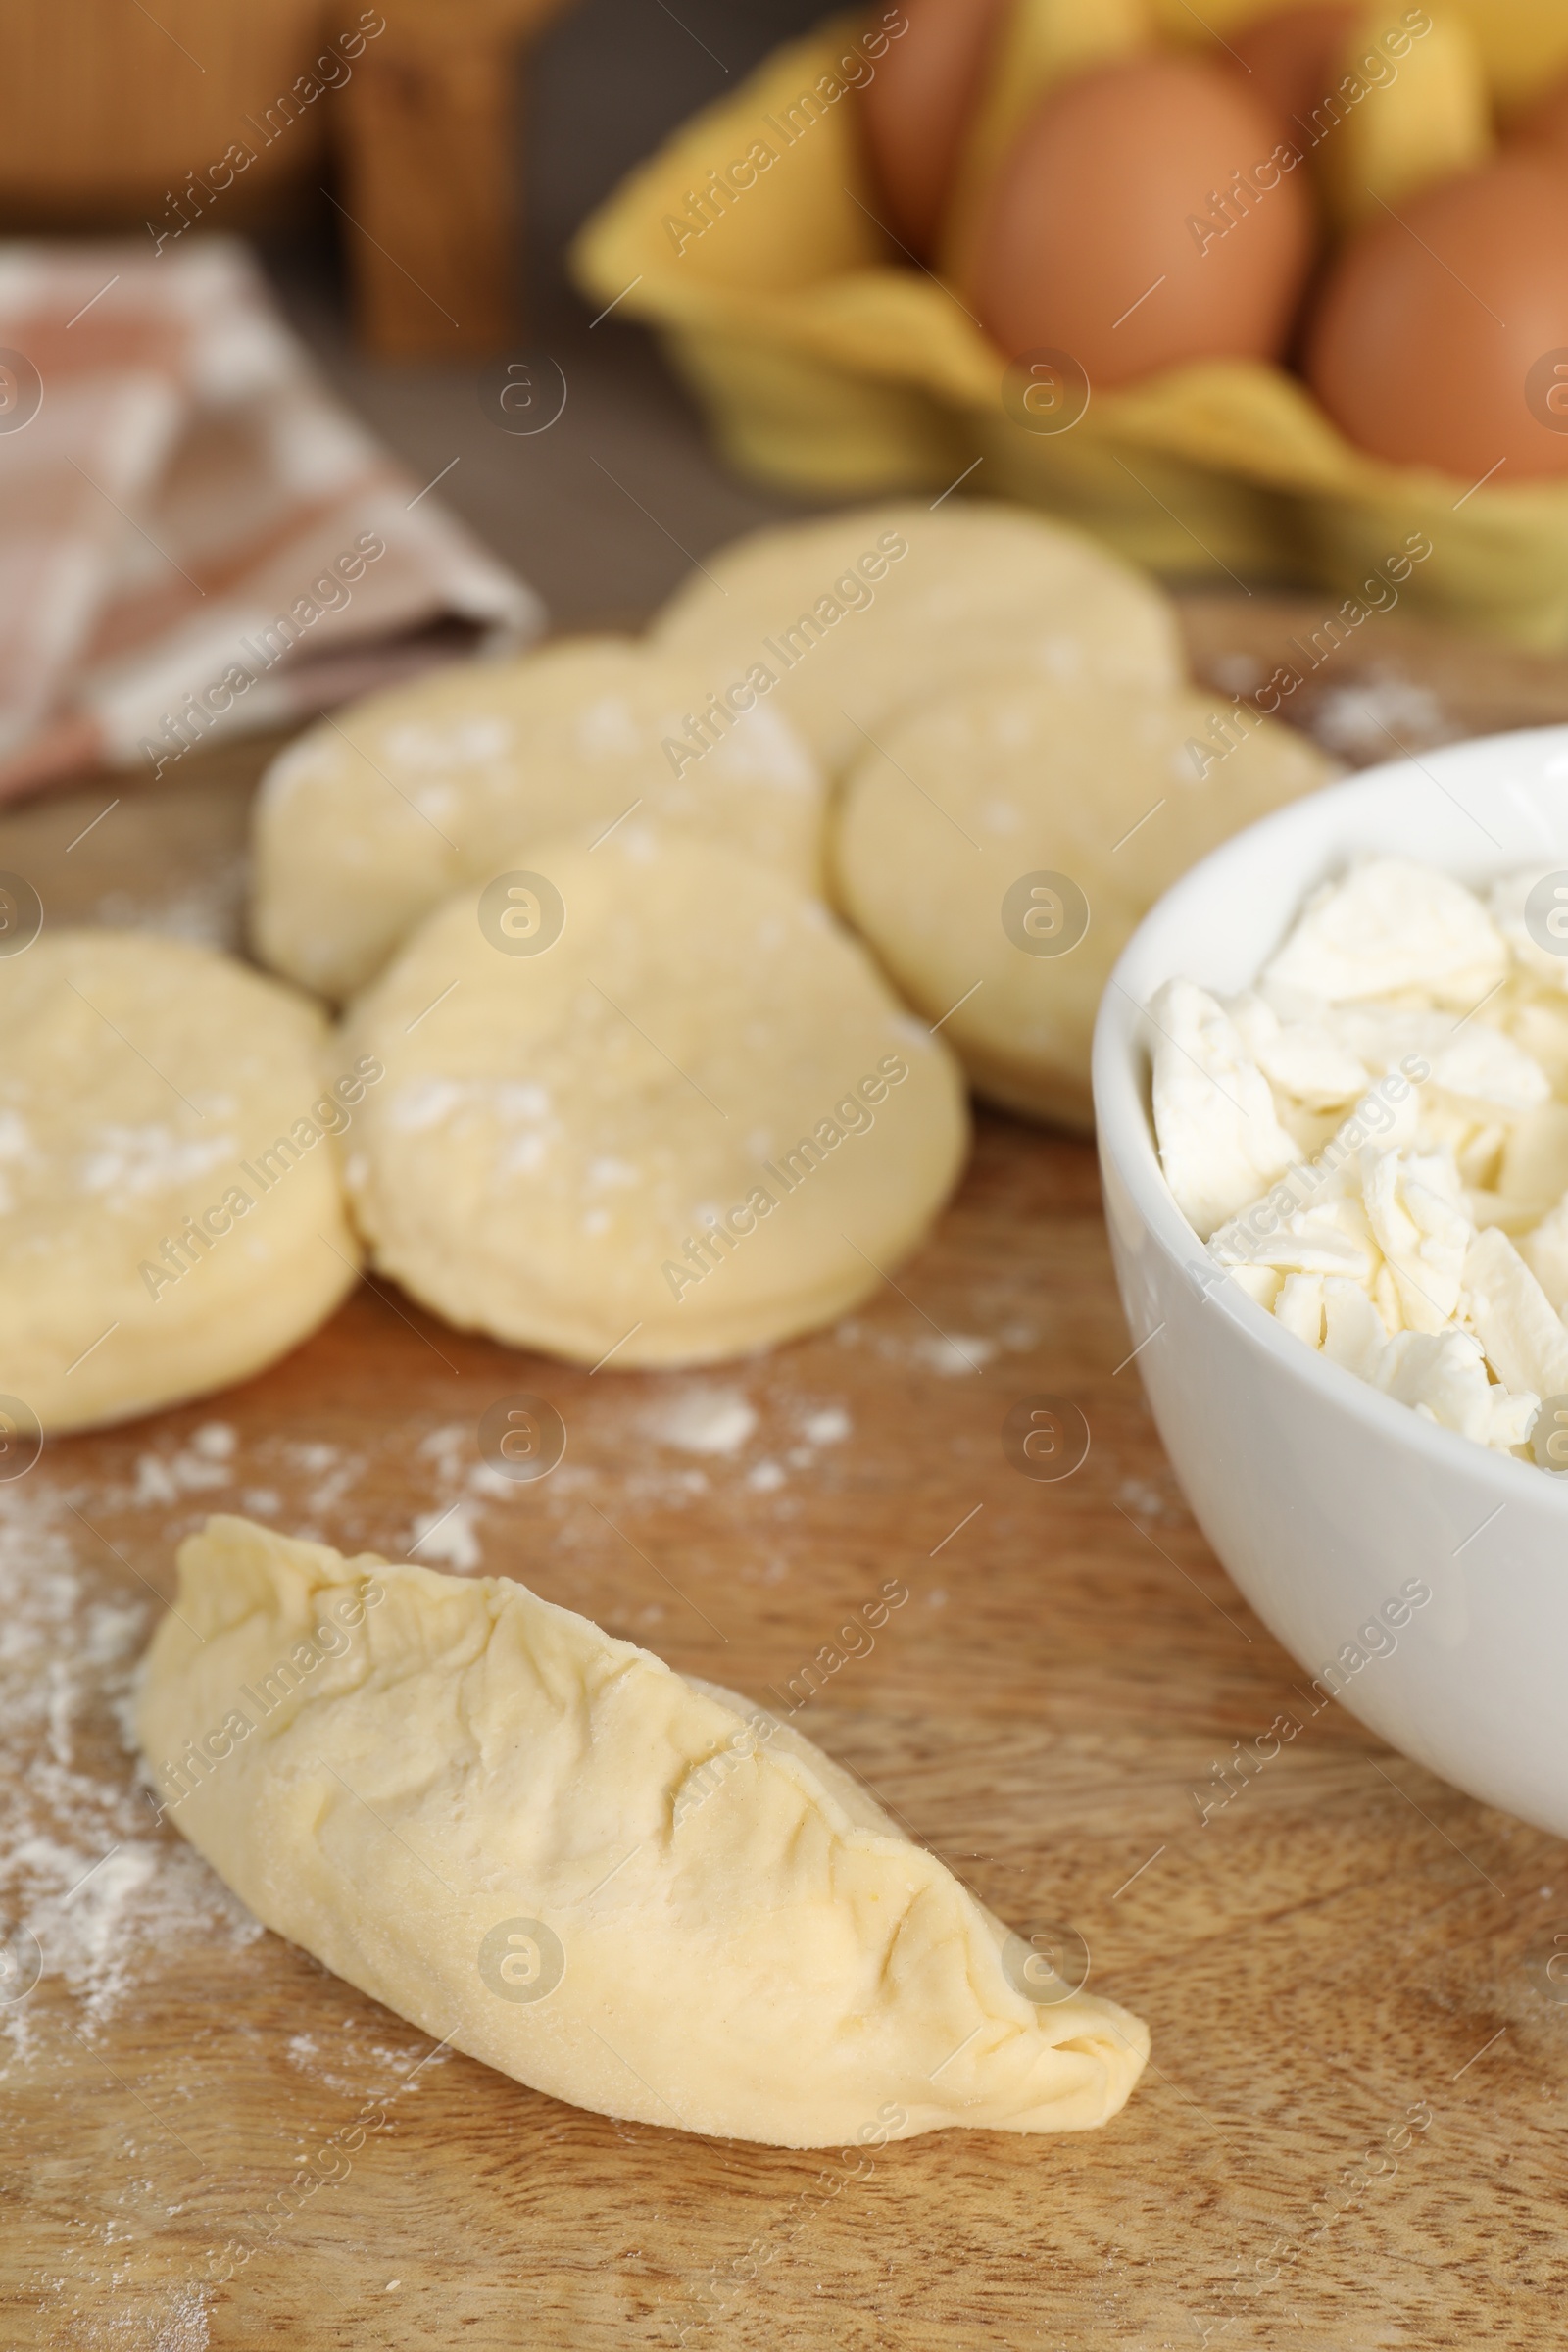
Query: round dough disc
point(854, 630)
point(170, 1213)
point(701, 1047)
point(375, 815)
point(975, 795)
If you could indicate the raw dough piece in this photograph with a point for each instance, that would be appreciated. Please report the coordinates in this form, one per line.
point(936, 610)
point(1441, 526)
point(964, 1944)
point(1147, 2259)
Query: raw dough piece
point(985, 788)
point(978, 589)
point(702, 1046)
point(629, 1891)
point(170, 1212)
point(378, 813)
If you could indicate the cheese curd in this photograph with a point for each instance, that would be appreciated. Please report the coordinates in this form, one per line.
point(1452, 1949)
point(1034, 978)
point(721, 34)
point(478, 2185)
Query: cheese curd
point(1373, 1140)
point(1392, 926)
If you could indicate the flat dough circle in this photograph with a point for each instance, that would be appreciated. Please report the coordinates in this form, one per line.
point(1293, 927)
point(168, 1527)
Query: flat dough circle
point(979, 588)
point(136, 1075)
point(977, 791)
point(557, 1127)
point(378, 813)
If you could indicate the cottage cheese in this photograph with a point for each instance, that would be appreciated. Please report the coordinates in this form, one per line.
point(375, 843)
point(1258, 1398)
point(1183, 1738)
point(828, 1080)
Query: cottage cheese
point(1373, 1141)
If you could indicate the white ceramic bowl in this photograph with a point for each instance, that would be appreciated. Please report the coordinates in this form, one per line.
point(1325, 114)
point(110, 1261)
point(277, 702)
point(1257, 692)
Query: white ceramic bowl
point(1322, 1498)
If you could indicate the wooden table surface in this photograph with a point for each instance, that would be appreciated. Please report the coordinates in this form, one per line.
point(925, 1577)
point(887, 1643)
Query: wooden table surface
point(1353, 2132)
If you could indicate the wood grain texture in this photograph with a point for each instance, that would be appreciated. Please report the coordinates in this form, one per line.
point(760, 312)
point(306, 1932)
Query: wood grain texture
point(112, 115)
point(426, 139)
point(1346, 1957)
point(105, 110)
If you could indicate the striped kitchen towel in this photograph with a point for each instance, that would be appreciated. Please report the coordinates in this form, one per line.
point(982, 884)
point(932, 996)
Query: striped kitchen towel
point(196, 539)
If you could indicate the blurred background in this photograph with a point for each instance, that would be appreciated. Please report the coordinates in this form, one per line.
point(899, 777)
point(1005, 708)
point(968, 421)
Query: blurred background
point(574, 106)
point(608, 82)
point(268, 278)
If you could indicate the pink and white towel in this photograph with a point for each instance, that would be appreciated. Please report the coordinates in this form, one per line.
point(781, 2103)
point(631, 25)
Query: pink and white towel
point(195, 538)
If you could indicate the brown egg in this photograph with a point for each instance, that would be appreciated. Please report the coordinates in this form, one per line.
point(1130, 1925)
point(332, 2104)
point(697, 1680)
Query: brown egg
point(915, 109)
point(1147, 216)
point(1291, 58)
point(1438, 335)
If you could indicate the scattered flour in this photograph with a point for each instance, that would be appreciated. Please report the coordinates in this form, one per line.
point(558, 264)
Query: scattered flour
point(447, 1537)
point(953, 1354)
point(1143, 1500)
point(1377, 717)
point(83, 1869)
point(200, 1466)
point(208, 911)
point(314, 1457)
point(957, 1353)
point(449, 1447)
point(181, 2326)
point(122, 2309)
point(334, 1472)
point(704, 1420)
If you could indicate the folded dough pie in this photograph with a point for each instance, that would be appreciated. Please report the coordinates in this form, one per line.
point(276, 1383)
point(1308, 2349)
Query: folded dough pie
point(627, 1890)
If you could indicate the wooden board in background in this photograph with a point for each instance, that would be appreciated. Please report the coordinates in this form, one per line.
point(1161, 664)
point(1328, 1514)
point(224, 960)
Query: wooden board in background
point(1348, 1947)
